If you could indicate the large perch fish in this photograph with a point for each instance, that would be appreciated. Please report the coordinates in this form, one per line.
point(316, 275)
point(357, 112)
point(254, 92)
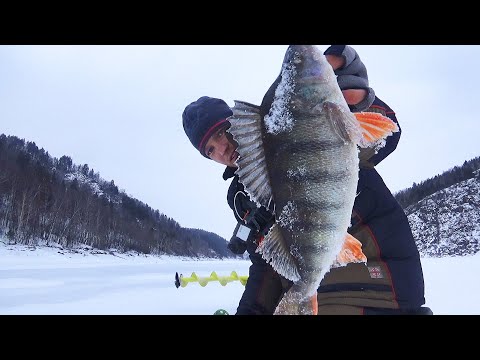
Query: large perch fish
point(302, 160)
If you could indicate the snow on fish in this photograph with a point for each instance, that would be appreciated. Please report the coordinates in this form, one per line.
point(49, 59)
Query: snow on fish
point(302, 158)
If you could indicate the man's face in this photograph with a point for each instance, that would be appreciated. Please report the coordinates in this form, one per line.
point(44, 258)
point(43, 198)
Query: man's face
point(221, 147)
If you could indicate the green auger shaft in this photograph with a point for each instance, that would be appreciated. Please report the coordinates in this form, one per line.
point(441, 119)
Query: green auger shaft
point(182, 281)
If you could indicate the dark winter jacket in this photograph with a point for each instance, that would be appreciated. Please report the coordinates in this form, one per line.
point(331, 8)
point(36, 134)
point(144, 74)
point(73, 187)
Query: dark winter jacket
point(393, 277)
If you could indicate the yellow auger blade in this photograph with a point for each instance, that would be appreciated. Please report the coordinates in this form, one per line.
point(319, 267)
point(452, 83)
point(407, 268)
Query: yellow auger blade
point(182, 281)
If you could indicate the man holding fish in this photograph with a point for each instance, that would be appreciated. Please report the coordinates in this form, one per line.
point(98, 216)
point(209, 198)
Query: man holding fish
point(324, 233)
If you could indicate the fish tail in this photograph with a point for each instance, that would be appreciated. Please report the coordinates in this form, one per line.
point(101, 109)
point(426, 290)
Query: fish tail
point(374, 127)
point(295, 303)
point(351, 252)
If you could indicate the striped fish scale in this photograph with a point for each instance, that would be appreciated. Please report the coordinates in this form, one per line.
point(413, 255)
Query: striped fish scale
point(299, 160)
point(302, 158)
point(322, 195)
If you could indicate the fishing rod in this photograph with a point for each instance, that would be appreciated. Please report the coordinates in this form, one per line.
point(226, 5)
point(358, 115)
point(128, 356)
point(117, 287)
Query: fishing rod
point(182, 281)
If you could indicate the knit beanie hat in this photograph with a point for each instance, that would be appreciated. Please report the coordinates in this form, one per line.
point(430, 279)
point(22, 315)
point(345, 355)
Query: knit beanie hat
point(202, 117)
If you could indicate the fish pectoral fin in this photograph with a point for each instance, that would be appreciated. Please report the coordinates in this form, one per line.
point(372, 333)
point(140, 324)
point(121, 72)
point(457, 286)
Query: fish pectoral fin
point(351, 252)
point(375, 127)
point(274, 251)
point(344, 123)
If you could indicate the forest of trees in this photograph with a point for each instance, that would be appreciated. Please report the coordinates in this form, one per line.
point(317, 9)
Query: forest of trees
point(45, 199)
point(417, 192)
point(48, 200)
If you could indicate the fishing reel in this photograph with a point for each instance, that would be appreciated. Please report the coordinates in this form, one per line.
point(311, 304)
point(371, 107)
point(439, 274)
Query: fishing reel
point(238, 241)
point(257, 223)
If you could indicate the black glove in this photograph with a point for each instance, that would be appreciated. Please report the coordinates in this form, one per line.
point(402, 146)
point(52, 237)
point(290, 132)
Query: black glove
point(260, 220)
point(237, 245)
point(352, 75)
point(238, 241)
point(257, 222)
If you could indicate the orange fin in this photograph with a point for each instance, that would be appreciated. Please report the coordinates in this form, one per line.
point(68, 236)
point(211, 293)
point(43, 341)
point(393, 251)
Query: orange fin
point(375, 127)
point(314, 304)
point(351, 252)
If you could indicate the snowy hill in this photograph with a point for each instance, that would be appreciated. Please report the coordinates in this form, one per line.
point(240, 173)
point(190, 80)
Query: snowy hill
point(447, 223)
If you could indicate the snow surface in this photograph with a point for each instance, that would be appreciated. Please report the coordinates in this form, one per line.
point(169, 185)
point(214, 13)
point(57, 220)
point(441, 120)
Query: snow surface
point(49, 280)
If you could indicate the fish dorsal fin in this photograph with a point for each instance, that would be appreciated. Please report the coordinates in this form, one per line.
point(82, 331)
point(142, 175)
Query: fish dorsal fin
point(375, 127)
point(246, 129)
point(274, 251)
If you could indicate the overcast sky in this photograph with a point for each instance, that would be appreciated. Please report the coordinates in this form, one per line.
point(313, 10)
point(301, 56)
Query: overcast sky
point(49, 281)
point(118, 109)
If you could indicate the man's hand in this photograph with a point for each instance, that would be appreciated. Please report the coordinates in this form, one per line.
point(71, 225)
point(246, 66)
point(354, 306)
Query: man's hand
point(352, 76)
point(237, 245)
point(260, 220)
point(336, 61)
